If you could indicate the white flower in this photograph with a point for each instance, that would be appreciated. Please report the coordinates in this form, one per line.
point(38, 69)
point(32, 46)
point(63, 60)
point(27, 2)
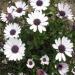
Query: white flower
point(64, 11)
point(44, 60)
point(40, 4)
point(73, 70)
point(12, 30)
point(20, 8)
point(62, 46)
point(63, 68)
point(8, 16)
point(30, 63)
point(14, 49)
point(38, 21)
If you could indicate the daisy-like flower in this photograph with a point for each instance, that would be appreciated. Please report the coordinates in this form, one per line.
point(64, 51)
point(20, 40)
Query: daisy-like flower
point(62, 46)
point(8, 16)
point(30, 63)
point(19, 8)
point(64, 11)
point(73, 70)
point(41, 72)
point(44, 60)
point(12, 31)
point(14, 49)
point(63, 68)
point(38, 21)
point(40, 4)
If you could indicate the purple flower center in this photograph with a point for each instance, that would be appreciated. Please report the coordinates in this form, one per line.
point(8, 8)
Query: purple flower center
point(30, 63)
point(9, 17)
point(59, 66)
point(62, 13)
point(44, 59)
point(15, 49)
point(19, 10)
point(61, 48)
point(37, 22)
point(12, 32)
point(39, 3)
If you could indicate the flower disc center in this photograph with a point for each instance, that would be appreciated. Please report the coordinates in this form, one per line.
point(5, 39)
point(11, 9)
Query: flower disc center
point(12, 32)
point(62, 13)
point(37, 22)
point(39, 3)
point(19, 10)
point(15, 49)
point(30, 63)
point(44, 59)
point(61, 48)
point(59, 67)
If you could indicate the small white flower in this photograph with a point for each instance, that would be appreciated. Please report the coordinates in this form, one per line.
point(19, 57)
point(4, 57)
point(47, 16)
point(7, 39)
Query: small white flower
point(8, 16)
point(44, 60)
point(62, 46)
point(64, 11)
point(73, 70)
point(30, 63)
point(63, 68)
point(12, 31)
point(37, 21)
point(14, 49)
point(40, 4)
point(20, 8)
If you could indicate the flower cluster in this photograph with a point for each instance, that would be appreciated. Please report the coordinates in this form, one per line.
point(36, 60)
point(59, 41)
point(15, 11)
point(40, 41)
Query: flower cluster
point(37, 20)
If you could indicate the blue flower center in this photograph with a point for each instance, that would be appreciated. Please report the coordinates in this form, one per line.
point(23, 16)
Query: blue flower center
point(15, 49)
point(59, 66)
point(12, 32)
point(30, 63)
point(39, 3)
point(19, 10)
point(62, 13)
point(37, 22)
point(61, 48)
point(44, 59)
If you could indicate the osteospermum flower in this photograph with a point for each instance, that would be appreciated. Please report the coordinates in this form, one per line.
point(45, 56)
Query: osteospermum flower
point(14, 49)
point(37, 21)
point(8, 16)
point(41, 72)
point(12, 30)
point(19, 8)
point(62, 46)
point(73, 70)
point(40, 4)
point(62, 68)
point(44, 60)
point(30, 63)
point(64, 11)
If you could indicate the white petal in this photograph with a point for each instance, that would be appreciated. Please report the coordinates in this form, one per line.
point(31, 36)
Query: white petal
point(55, 46)
point(68, 53)
point(63, 57)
